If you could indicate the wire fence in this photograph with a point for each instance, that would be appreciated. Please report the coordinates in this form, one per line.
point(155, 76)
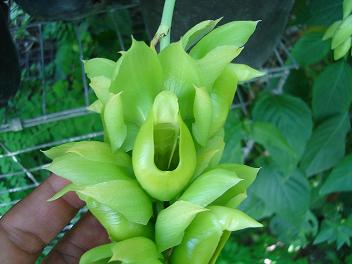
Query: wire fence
point(36, 53)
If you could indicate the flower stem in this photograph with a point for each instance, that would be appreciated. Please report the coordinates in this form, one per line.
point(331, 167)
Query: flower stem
point(163, 32)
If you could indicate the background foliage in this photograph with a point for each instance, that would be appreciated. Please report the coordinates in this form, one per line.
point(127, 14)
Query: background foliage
point(301, 138)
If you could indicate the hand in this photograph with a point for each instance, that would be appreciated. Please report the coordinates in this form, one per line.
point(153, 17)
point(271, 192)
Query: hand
point(34, 222)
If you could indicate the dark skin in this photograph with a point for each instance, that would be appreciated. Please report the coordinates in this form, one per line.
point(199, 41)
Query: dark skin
point(32, 223)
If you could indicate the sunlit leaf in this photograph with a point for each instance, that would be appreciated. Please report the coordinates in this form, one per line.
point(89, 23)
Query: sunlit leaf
point(197, 32)
point(200, 240)
point(214, 62)
point(135, 250)
point(244, 72)
point(234, 33)
point(342, 33)
point(343, 49)
point(330, 32)
point(202, 110)
point(117, 195)
point(347, 8)
point(99, 67)
point(114, 121)
point(82, 171)
point(100, 86)
point(209, 186)
point(172, 223)
point(103, 252)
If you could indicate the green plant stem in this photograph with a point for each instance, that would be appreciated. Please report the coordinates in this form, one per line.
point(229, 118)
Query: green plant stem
point(163, 32)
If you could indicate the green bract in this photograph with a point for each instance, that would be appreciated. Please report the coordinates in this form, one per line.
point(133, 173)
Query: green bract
point(155, 183)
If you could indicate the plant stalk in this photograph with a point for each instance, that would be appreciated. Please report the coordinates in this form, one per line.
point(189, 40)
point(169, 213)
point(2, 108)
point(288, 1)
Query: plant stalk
point(163, 32)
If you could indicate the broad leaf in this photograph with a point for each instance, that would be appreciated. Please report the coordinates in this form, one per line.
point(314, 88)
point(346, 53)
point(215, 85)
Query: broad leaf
point(290, 115)
point(58, 151)
point(326, 145)
point(234, 33)
point(330, 32)
point(332, 90)
point(340, 179)
point(288, 196)
point(210, 186)
point(310, 48)
point(172, 223)
point(274, 142)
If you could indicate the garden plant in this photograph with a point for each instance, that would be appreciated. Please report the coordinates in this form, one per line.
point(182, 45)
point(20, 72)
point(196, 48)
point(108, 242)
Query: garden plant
point(155, 183)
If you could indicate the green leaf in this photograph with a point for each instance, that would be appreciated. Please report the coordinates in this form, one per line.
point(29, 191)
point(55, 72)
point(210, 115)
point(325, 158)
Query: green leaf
point(97, 107)
point(172, 223)
point(326, 146)
point(343, 49)
point(310, 48)
point(202, 110)
point(214, 62)
point(222, 97)
point(83, 172)
point(180, 76)
point(347, 8)
point(115, 126)
point(117, 226)
point(103, 252)
point(245, 73)
point(323, 12)
point(210, 186)
point(340, 179)
point(94, 151)
point(117, 195)
point(135, 250)
point(58, 151)
point(139, 79)
point(68, 188)
point(200, 240)
point(197, 32)
point(287, 195)
point(233, 219)
point(99, 67)
point(330, 32)
point(274, 142)
point(100, 86)
point(342, 33)
point(290, 115)
point(245, 173)
point(234, 33)
point(332, 90)
point(210, 154)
